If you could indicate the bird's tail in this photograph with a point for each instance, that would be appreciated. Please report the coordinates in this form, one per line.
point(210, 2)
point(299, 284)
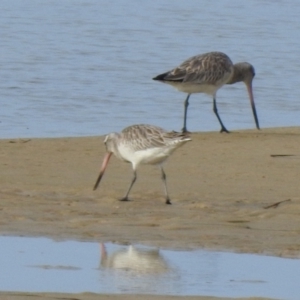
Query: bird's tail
point(181, 137)
point(160, 77)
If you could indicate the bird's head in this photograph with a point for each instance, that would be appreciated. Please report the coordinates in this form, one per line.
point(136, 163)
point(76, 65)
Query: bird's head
point(243, 72)
point(109, 142)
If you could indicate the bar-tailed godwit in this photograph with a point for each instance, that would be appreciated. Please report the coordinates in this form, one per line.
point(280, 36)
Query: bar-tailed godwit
point(142, 144)
point(206, 73)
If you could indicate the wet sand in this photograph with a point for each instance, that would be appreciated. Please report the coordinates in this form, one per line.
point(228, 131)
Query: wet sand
point(90, 296)
point(221, 186)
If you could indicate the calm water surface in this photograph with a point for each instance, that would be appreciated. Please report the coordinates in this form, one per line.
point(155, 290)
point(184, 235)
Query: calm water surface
point(84, 67)
point(42, 265)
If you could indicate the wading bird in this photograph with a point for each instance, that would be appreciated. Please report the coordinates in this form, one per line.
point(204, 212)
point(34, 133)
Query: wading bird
point(206, 73)
point(142, 144)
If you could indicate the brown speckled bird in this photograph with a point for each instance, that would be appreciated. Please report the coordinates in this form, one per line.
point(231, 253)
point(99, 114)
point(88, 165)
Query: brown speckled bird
point(142, 144)
point(206, 73)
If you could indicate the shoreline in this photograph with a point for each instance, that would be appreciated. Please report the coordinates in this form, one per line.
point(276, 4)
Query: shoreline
point(277, 128)
point(92, 296)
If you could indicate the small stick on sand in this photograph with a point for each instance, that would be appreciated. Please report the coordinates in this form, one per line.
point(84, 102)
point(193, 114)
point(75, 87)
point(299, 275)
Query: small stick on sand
point(281, 155)
point(275, 205)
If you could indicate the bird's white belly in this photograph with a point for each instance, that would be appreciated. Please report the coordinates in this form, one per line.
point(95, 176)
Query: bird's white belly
point(151, 156)
point(145, 156)
point(191, 88)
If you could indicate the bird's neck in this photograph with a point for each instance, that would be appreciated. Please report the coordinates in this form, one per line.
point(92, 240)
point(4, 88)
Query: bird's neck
point(237, 75)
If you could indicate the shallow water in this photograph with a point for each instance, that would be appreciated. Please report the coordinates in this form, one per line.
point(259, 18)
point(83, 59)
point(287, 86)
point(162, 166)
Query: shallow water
point(84, 67)
point(43, 265)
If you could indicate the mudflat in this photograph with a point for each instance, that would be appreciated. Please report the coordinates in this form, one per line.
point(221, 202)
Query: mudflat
point(232, 192)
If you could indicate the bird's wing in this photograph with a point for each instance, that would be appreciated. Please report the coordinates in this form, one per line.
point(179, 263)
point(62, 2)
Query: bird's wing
point(142, 137)
point(207, 68)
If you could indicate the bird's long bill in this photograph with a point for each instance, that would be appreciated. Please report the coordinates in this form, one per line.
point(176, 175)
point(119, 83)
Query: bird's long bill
point(250, 92)
point(103, 167)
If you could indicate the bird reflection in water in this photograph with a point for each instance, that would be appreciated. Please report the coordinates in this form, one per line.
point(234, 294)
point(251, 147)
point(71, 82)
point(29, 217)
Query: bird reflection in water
point(137, 260)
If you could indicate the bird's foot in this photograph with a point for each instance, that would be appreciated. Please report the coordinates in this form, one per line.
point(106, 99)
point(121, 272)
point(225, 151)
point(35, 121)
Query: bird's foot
point(223, 129)
point(168, 201)
point(184, 130)
point(124, 199)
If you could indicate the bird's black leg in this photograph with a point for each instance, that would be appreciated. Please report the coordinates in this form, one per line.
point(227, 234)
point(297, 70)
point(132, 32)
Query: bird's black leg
point(164, 178)
point(223, 129)
point(125, 198)
point(186, 105)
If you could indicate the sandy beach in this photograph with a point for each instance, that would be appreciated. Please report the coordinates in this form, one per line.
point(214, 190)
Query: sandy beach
point(233, 192)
